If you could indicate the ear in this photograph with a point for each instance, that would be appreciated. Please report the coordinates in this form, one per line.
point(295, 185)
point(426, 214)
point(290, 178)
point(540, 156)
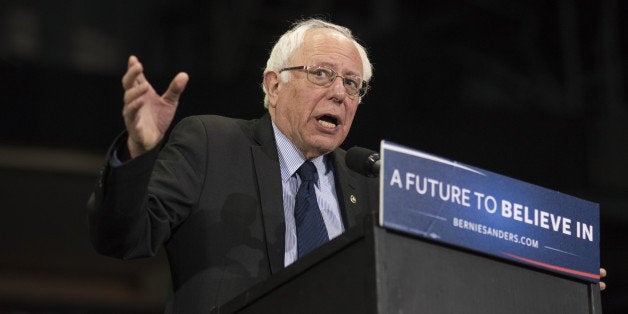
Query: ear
point(271, 84)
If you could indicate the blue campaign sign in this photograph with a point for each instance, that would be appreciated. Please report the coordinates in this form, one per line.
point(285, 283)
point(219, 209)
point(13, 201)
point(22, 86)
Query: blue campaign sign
point(433, 197)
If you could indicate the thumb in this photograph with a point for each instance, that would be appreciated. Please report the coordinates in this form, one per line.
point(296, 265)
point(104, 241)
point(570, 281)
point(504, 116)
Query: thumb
point(177, 86)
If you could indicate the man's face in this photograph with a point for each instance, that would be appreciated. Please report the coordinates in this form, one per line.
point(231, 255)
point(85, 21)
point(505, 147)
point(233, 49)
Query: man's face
point(316, 118)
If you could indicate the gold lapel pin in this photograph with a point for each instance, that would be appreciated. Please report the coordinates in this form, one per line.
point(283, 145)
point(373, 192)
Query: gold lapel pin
point(353, 199)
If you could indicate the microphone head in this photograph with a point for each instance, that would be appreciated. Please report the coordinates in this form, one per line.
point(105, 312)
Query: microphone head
point(362, 160)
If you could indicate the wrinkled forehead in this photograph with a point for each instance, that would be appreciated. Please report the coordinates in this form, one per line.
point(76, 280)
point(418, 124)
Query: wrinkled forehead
point(329, 47)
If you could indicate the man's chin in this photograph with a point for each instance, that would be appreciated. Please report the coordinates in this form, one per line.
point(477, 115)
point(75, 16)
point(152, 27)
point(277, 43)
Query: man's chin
point(318, 148)
point(324, 146)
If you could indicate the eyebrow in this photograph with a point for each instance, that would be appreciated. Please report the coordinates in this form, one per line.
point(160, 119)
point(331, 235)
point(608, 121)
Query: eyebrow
point(331, 65)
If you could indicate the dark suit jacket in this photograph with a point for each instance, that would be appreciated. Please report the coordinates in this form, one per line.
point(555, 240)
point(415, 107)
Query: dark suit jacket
point(212, 195)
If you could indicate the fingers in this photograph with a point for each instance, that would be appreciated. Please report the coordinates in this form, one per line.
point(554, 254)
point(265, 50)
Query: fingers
point(129, 111)
point(134, 74)
point(134, 83)
point(135, 92)
point(132, 60)
point(177, 86)
point(602, 272)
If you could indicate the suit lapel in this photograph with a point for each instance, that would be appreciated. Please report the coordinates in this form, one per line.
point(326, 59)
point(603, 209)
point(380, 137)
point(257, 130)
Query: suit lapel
point(266, 161)
point(351, 191)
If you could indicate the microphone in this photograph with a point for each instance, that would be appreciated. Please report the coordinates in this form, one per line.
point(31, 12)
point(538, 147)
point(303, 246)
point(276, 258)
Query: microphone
point(363, 161)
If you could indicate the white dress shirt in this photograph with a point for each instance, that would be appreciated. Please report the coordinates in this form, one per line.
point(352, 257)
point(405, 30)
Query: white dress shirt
point(290, 159)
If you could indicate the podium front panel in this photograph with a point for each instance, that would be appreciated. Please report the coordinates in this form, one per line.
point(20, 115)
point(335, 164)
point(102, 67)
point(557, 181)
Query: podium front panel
point(419, 276)
point(374, 270)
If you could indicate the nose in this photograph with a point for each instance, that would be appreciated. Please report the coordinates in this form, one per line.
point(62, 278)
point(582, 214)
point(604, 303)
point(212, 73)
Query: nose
point(338, 90)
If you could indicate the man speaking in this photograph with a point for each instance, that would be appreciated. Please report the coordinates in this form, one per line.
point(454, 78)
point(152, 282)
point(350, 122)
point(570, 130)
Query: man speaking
point(235, 201)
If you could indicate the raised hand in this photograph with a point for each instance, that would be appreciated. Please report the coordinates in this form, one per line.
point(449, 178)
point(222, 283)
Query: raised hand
point(148, 115)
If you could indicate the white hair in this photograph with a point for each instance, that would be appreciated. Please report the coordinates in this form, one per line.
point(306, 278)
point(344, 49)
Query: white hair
point(293, 38)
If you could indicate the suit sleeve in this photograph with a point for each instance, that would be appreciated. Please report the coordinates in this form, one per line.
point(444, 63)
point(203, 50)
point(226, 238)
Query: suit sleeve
point(136, 206)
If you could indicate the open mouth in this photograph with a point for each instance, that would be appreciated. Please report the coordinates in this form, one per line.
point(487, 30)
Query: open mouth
point(327, 121)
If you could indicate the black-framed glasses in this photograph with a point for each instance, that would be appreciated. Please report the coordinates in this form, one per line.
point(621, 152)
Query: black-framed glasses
point(324, 76)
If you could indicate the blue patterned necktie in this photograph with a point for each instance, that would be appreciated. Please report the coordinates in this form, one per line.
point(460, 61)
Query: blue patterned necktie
point(311, 230)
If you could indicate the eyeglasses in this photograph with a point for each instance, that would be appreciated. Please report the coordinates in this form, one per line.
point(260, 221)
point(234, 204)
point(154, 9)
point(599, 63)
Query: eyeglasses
point(324, 76)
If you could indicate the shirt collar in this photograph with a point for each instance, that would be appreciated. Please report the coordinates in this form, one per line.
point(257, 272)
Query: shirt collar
point(291, 158)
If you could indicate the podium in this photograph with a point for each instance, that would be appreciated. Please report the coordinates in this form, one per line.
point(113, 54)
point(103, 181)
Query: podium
point(370, 269)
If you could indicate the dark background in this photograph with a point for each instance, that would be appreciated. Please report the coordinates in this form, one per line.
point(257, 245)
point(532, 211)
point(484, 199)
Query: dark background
point(535, 90)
